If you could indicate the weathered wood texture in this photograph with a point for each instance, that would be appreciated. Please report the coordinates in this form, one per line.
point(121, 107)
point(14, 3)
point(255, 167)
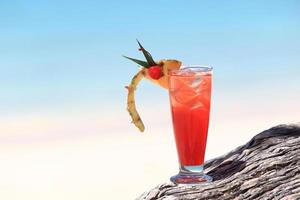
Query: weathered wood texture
point(267, 167)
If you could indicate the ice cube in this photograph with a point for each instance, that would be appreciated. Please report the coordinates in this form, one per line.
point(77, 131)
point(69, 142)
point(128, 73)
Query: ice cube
point(197, 104)
point(195, 84)
point(184, 96)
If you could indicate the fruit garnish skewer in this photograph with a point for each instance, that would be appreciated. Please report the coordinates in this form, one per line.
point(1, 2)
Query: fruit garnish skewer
point(156, 72)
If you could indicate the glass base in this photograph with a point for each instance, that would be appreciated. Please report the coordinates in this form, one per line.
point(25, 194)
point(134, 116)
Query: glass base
point(191, 175)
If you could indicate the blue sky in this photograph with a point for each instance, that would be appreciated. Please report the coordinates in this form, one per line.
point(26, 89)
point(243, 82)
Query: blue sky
point(56, 54)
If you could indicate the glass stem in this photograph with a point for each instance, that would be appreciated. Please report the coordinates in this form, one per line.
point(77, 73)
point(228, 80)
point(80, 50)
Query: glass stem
point(191, 169)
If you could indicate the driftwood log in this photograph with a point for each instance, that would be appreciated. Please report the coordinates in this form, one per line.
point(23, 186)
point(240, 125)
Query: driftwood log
point(267, 167)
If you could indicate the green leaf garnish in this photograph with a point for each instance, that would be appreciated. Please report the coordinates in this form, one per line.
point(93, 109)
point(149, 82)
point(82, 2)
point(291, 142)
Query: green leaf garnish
point(147, 55)
point(140, 62)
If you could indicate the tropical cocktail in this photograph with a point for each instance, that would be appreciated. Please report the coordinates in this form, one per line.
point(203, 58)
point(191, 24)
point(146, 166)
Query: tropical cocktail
point(190, 90)
point(190, 94)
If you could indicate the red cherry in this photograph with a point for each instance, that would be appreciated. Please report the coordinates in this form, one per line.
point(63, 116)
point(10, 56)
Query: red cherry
point(155, 72)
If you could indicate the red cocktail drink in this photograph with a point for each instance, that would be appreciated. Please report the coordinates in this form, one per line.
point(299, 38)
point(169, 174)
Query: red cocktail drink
point(190, 92)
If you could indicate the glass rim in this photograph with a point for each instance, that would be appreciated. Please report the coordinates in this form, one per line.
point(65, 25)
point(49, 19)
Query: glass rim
point(206, 69)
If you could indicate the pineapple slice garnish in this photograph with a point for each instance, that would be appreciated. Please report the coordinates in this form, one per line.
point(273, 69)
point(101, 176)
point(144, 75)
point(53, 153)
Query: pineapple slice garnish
point(152, 71)
point(136, 119)
point(166, 65)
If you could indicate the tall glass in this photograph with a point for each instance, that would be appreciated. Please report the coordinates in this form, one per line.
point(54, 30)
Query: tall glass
point(190, 94)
